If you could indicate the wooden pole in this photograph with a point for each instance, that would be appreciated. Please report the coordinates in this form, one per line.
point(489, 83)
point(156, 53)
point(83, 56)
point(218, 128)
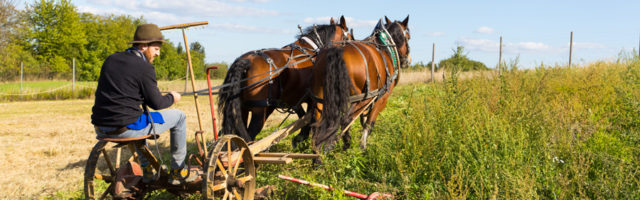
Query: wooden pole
point(186, 79)
point(73, 77)
point(21, 72)
point(500, 56)
point(570, 48)
point(182, 26)
point(193, 86)
point(433, 64)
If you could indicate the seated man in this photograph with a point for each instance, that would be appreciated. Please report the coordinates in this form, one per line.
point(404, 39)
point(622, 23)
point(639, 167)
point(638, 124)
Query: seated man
point(127, 83)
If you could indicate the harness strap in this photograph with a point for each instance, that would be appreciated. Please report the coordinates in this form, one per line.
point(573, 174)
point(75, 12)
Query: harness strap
point(310, 42)
point(315, 30)
point(366, 67)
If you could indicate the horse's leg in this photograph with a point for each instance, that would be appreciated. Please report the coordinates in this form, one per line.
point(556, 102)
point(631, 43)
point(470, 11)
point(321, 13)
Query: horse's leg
point(371, 120)
point(259, 116)
point(304, 132)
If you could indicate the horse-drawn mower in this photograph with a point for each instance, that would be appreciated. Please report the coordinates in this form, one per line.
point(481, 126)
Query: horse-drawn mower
point(224, 167)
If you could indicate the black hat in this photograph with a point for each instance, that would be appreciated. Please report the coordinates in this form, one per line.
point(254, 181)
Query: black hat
point(147, 33)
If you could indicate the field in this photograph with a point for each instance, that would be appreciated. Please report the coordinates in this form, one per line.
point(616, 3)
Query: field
point(552, 133)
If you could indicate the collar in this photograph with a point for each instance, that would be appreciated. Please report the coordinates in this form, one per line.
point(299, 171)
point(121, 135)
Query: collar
point(310, 42)
point(137, 52)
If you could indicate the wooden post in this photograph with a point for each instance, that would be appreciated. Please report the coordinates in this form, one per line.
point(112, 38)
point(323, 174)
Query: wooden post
point(186, 79)
point(433, 64)
point(73, 77)
point(189, 67)
point(570, 48)
point(500, 56)
point(21, 71)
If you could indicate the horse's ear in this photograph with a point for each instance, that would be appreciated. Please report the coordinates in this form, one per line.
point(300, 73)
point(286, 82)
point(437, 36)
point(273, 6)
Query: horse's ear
point(343, 23)
point(405, 22)
point(387, 19)
point(332, 22)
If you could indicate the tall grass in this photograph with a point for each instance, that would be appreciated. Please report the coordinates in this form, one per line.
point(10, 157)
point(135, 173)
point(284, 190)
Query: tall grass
point(543, 133)
point(550, 133)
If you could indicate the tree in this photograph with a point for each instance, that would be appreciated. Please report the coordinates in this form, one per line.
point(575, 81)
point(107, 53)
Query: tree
point(56, 34)
point(460, 61)
point(105, 36)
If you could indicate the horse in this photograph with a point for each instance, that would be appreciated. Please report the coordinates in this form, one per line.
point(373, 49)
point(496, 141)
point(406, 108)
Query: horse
point(261, 81)
point(355, 79)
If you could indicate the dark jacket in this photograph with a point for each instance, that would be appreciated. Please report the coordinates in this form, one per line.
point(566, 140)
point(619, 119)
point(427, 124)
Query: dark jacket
point(126, 81)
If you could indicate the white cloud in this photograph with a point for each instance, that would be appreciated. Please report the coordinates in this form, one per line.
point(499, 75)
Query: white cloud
point(250, 29)
point(435, 34)
point(479, 44)
point(509, 47)
point(587, 45)
point(256, 1)
point(529, 46)
point(484, 30)
point(351, 22)
point(184, 8)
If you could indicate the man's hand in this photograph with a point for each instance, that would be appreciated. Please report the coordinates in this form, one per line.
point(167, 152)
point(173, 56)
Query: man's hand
point(176, 96)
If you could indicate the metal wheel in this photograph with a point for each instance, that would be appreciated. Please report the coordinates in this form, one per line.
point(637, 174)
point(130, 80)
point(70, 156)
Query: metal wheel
point(101, 170)
point(231, 173)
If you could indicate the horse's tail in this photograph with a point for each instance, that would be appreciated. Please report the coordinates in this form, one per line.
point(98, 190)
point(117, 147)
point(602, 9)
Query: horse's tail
point(337, 88)
point(230, 102)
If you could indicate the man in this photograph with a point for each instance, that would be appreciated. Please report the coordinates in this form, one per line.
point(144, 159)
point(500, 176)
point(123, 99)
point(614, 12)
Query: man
point(127, 84)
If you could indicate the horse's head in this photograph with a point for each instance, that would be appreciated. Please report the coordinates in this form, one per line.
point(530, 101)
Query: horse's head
point(326, 35)
point(400, 35)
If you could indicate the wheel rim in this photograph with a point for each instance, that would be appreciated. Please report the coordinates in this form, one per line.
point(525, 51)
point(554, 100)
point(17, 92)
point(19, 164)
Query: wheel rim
point(230, 174)
point(101, 169)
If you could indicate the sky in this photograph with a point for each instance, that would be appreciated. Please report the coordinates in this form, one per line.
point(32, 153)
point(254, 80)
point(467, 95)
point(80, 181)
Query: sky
point(535, 32)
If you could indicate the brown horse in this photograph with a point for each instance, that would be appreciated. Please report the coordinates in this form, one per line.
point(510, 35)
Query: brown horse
point(356, 79)
point(262, 80)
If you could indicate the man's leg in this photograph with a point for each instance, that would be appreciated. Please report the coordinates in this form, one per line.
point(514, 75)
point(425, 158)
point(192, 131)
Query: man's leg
point(175, 122)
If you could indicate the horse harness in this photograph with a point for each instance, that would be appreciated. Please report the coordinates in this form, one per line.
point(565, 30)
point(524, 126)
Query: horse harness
point(307, 54)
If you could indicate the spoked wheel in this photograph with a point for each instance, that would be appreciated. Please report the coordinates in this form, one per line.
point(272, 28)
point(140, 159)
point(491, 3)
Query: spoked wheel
point(101, 171)
point(231, 173)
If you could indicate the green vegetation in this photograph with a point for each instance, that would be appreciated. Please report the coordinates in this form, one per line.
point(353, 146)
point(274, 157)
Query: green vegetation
point(49, 34)
point(550, 133)
point(543, 133)
point(459, 62)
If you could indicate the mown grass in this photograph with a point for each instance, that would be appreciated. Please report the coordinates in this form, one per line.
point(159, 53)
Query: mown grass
point(543, 133)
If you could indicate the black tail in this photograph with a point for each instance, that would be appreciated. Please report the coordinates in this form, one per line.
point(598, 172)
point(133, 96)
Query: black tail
point(229, 102)
point(337, 88)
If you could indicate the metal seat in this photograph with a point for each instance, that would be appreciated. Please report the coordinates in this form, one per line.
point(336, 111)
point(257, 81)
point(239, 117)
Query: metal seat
point(126, 140)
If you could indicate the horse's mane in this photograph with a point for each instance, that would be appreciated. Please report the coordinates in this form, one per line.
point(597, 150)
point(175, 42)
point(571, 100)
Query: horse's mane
point(396, 33)
point(394, 29)
point(326, 33)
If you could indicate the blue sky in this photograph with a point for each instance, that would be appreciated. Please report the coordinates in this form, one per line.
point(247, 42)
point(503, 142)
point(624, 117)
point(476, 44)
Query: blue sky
point(536, 31)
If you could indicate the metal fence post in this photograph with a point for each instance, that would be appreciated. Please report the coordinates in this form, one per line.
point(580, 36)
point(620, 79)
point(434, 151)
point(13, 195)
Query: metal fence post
point(433, 64)
point(73, 77)
point(21, 72)
point(570, 48)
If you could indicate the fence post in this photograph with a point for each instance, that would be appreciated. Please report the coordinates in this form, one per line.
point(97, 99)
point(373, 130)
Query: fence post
point(433, 64)
point(21, 71)
point(73, 77)
point(570, 48)
point(500, 57)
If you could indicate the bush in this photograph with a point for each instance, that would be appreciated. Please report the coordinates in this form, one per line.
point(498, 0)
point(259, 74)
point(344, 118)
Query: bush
point(460, 62)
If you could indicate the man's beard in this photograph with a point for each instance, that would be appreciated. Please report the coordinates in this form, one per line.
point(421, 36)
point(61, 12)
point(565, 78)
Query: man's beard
point(149, 57)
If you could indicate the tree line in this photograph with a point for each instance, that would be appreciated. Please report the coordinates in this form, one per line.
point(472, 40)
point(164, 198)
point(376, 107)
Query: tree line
point(49, 34)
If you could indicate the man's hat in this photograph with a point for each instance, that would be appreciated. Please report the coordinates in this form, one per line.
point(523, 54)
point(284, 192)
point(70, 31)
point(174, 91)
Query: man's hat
point(147, 33)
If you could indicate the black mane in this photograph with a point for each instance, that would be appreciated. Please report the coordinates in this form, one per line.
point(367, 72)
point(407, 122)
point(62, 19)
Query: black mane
point(395, 30)
point(326, 33)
